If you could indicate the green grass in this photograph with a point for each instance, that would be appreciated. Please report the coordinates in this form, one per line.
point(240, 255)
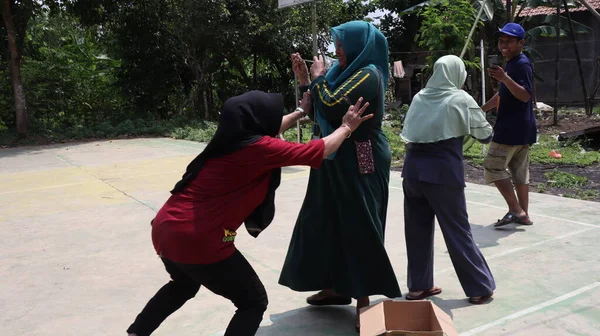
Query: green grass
point(396, 142)
point(584, 194)
point(572, 153)
point(178, 129)
point(292, 133)
point(559, 179)
point(564, 180)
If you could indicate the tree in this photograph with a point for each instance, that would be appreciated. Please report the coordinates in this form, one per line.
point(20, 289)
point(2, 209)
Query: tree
point(16, 15)
point(181, 53)
point(399, 29)
point(14, 61)
point(445, 28)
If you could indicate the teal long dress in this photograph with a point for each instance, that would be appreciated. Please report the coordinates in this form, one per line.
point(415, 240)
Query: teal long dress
point(338, 239)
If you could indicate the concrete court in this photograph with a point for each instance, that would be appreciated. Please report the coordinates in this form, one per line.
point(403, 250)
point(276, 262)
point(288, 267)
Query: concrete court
point(77, 259)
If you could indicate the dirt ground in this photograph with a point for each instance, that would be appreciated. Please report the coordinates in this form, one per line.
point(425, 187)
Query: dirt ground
point(569, 120)
point(474, 174)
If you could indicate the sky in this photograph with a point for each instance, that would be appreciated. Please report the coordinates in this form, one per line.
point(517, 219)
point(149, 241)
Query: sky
point(373, 15)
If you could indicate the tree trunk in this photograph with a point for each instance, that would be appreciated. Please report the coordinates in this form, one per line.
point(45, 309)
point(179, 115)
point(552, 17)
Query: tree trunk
point(14, 63)
point(588, 109)
point(254, 71)
point(557, 66)
point(206, 111)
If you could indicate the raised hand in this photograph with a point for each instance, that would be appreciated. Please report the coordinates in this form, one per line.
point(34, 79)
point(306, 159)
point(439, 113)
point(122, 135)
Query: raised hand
point(300, 69)
point(318, 67)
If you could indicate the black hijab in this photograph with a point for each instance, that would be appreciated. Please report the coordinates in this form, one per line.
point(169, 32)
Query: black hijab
point(244, 120)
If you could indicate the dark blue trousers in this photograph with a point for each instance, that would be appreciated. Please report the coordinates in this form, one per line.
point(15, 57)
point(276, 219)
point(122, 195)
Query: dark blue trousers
point(424, 201)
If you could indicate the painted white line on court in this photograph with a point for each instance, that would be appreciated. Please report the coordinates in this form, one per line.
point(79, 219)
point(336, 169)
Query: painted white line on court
point(539, 215)
point(533, 214)
point(500, 196)
point(518, 249)
point(502, 254)
point(530, 310)
point(293, 176)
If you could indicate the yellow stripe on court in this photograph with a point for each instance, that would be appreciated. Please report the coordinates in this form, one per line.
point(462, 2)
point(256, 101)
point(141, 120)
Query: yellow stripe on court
point(35, 193)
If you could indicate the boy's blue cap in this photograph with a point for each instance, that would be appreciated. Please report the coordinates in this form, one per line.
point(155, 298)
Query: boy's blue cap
point(513, 29)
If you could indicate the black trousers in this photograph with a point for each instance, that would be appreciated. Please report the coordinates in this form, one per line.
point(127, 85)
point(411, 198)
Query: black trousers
point(233, 278)
point(422, 203)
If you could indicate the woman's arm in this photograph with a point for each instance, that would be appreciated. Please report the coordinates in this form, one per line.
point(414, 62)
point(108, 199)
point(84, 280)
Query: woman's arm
point(481, 130)
point(303, 109)
point(334, 140)
point(335, 103)
point(280, 153)
point(352, 119)
point(290, 119)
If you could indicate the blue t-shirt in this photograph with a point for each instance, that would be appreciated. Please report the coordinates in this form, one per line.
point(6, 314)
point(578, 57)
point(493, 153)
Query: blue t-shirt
point(516, 123)
point(438, 163)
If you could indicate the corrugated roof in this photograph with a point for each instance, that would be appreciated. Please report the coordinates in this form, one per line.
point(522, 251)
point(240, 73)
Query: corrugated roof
point(542, 10)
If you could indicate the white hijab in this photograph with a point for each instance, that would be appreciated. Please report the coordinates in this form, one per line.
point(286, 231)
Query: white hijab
point(442, 110)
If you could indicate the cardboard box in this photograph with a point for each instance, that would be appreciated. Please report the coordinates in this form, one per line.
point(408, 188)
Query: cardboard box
point(408, 318)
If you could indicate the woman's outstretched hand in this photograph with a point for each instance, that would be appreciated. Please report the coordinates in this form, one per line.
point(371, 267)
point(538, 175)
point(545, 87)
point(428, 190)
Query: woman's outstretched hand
point(300, 69)
point(350, 123)
point(353, 117)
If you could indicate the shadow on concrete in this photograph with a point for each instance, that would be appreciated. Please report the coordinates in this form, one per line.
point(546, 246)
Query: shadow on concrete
point(334, 321)
point(453, 304)
point(488, 236)
point(312, 321)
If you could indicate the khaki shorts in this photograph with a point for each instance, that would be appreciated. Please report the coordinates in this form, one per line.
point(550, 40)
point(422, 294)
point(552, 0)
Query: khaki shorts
point(501, 159)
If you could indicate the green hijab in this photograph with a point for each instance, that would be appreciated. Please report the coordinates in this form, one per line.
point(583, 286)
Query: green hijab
point(364, 46)
point(442, 110)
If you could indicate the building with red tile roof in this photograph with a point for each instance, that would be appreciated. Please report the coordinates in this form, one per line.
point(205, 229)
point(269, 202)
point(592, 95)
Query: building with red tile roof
point(543, 10)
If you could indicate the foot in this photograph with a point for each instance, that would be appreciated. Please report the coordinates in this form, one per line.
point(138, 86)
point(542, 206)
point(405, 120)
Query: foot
point(513, 218)
point(360, 303)
point(328, 297)
point(524, 220)
point(423, 294)
point(477, 300)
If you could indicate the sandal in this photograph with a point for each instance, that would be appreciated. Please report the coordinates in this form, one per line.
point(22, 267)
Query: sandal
point(431, 292)
point(329, 300)
point(524, 221)
point(477, 300)
point(509, 218)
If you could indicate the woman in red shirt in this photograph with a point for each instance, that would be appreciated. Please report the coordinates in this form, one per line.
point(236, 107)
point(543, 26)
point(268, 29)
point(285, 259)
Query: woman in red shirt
point(233, 181)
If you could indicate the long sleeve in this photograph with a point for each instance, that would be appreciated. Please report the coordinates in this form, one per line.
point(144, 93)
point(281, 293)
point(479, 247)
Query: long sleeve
point(480, 128)
point(333, 104)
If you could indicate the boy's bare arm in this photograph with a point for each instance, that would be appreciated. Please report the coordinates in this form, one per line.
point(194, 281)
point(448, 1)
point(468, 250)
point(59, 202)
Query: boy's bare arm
point(517, 90)
point(492, 103)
